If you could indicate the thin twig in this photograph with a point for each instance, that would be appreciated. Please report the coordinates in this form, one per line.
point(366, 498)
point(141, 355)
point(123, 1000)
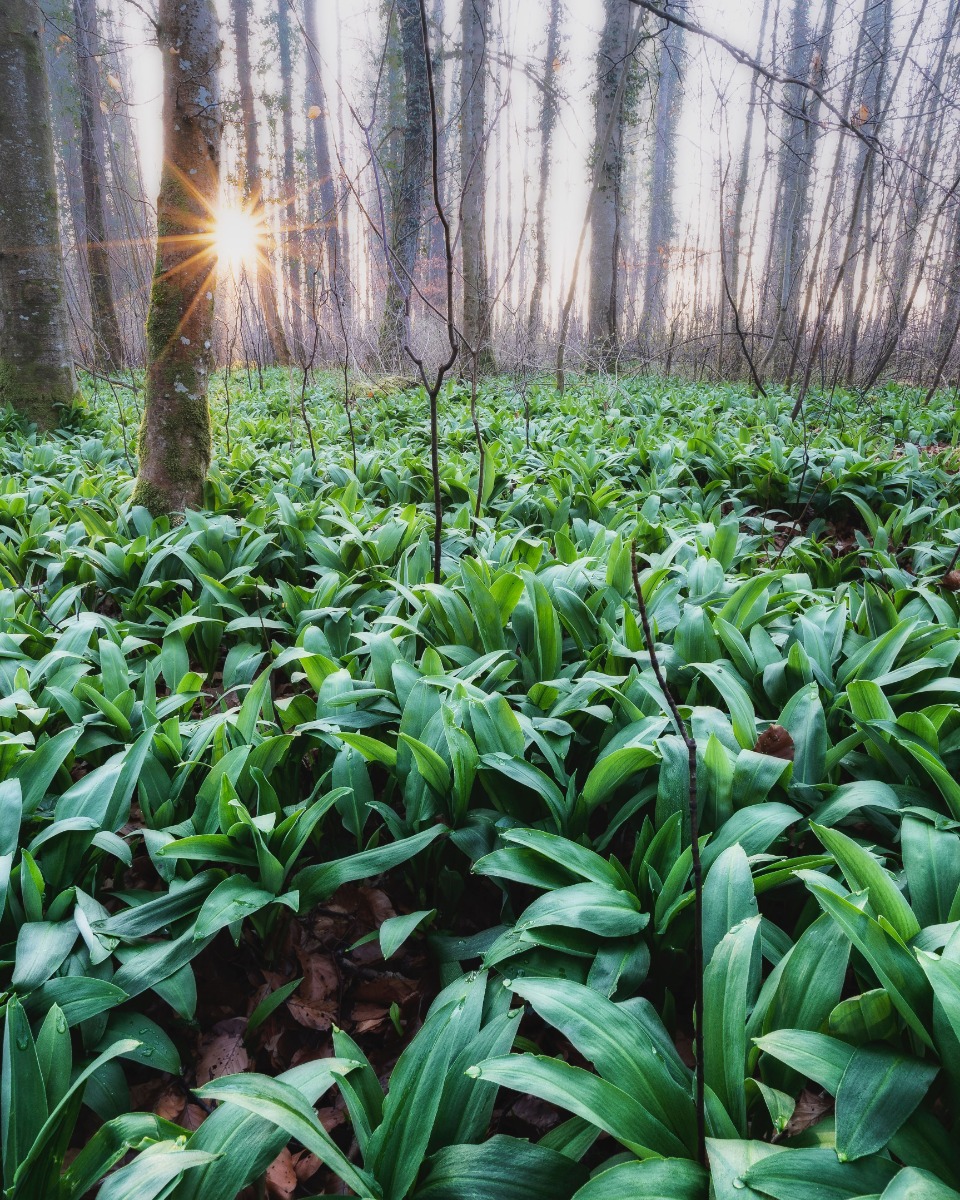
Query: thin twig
point(690, 742)
point(433, 389)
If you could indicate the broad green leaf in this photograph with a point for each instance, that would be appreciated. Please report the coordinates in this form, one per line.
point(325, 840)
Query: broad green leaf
point(878, 1091)
point(727, 986)
point(395, 930)
point(286, 1107)
point(580, 1092)
point(788, 1176)
point(864, 874)
point(668, 1179)
point(318, 882)
point(505, 1167)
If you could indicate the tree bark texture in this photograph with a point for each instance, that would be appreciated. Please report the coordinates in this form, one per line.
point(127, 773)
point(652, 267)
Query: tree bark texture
point(662, 216)
point(276, 341)
point(174, 441)
point(292, 241)
point(603, 326)
point(108, 347)
point(407, 206)
point(36, 361)
point(548, 121)
point(476, 329)
point(329, 218)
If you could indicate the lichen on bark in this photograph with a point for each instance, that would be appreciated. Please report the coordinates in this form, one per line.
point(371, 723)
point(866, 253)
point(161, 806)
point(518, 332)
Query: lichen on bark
point(174, 442)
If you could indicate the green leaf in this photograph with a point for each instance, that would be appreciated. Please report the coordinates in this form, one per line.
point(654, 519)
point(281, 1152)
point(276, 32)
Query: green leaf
point(864, 874)
point(813, 1055)
point(622, 1051)
point(505, 1167)
point(151, 1173)
point(42, 947)
point(286, 1107)
point(736, 698)
point(895, 966)
point(788, 1176)
point(109, 1144)
point(879, 1090)
point(727, 985)
point(318, 882)
point(914, 1184)
point(395, 930)
point(655, 1179)
point(23, 1097)
point(430, 765)
point(232, 900)
point(397, 1147)
point(728, 898)
point(580, 1092)
point(592, 906)
point(270, 1004)
point(931, 859)
point(249, 1142)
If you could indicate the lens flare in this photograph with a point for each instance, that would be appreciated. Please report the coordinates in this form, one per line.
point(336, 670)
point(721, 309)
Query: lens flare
point(238, 238)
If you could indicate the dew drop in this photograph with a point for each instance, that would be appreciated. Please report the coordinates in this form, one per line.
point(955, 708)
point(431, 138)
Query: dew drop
point(738, 1183)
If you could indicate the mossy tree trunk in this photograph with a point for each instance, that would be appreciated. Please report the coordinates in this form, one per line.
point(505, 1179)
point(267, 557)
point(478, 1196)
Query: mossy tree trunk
point(276, 348)
point(36, 361)
point(108, 347)
point(174, 443)
point(475, 21)
point(408, 193)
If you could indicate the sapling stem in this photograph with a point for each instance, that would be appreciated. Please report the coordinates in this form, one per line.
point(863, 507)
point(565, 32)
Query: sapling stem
point(690, 742)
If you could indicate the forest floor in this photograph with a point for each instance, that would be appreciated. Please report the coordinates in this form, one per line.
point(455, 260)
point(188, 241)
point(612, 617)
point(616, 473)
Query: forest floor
point(268, 790)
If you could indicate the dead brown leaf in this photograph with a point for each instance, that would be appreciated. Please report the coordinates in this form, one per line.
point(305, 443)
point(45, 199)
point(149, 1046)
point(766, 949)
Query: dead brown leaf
point(221, 1051)
point(776, 743)
point(811, 1106)
point(306, 1165)
point(314, 1004)
point(282, 1178)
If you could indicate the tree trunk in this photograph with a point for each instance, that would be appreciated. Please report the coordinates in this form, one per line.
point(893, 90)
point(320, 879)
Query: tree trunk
point(36, 363)
point(174, 441)
point(548, 121)
point(807, 58)
point(603, 328)
point(475, 21)
point(734, 361)
point(334, 267)
point(108, 347)
point(407, 205)
point(276, 347)
point(662, 219)
point(292, 240)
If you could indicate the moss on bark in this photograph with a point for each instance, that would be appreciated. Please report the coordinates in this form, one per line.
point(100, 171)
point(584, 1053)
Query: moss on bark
point(174, 442)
